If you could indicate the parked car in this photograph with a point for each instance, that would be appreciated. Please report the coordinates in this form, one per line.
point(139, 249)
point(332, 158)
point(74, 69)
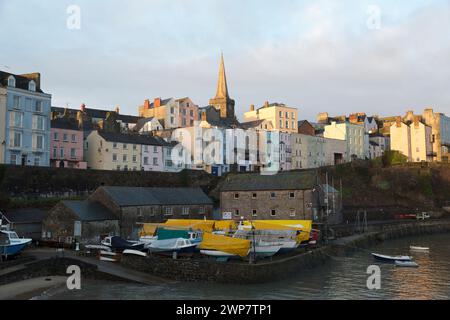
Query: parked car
point(405, 216)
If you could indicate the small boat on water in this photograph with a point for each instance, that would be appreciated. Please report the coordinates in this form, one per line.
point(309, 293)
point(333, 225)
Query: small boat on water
point(423, 249)
point(11, 244)
point(406, 264)
point(119, 244)
point(179, 245)
point(391, 259)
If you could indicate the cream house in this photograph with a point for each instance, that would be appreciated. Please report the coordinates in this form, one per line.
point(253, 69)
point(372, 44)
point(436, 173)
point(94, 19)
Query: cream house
point(357, 140)
point(282, 117)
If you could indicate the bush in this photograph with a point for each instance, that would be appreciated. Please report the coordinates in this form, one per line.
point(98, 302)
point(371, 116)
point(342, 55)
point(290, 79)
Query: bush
point(393, 158)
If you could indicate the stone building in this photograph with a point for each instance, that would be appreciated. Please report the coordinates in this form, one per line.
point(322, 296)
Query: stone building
point(135, 204)
point(293, 195)
point(84, 221)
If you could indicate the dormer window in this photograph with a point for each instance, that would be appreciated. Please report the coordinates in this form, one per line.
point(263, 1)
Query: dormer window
point(32, 86)
point(11, 81)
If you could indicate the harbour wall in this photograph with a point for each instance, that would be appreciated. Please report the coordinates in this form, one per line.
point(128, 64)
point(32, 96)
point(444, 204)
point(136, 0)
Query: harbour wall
point(207, 269)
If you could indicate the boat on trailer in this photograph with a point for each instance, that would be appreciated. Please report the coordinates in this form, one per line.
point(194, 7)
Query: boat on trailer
point(391, 259)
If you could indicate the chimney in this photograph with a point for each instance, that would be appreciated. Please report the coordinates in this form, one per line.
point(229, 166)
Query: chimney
point(157, 103)
point(83, 107)
point(398, 121)
point(117, 110)
point(203, 116)
point(416, 121)
point(266, 104)
point(353, 118)
point(252, 107)
point(146, 104)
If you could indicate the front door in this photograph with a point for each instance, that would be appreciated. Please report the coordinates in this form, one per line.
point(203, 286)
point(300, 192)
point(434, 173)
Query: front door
point(24, 160)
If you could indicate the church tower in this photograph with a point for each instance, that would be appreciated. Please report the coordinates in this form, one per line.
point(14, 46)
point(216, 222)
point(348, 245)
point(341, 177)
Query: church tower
point(222, 100)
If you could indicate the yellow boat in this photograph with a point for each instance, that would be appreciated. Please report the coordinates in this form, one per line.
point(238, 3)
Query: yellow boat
point(216, 245)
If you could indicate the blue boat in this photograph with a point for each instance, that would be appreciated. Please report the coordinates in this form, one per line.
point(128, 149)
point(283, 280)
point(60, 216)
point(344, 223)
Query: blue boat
point(391, 259)
point(11, 244)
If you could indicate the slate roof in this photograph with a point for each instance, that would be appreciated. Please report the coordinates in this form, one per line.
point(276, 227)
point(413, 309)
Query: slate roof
point(141, 123)
point(251, 124)
point(22, 81)
point(62, 123)
point(25, 215)
point(89, 211)
point(99, 114)
point(294, 180)
point(138, 196)
point(163, 102)
point(132, 138)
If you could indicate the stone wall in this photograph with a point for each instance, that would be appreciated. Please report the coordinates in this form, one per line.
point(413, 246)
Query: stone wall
point(302, 203)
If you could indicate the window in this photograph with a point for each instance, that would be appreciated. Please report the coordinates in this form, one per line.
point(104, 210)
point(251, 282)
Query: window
point(236, 195)
point(155, 149)
point(273, 212)
point(65, 137)
point(287, 115)
point(55, 136)
point(37, 161)
point(168, 211)
point(125, 146)
point(13, 159)
point(254, 195)
point(172, 111)
point(73, 153)
point(171, 120)
point(16, 119)
point(155, 161)
point(145, 161)
point(291, 195)
point(236, 212)
point(38, 142)
point(114, 157)
point(281, 123)
point(11, 81)
point(118, 168)
point(134, 147)
point(124, 158)
point(281, 114)
point(39, 124)
point(38, 106)
point(192, 113)
point(74, 138)
point(114, 145)
point(55, 152)
point(292, 213)
point(201, 210)
point(254, 213)
point(61, 153)
point(293, 115)
point(32, 86)
point(273, 195)
point(293, 125)
point(134, 158)
point(287, 124)
point(125, 167)
point(16, 102)
point(185, 211)
point(15, 139)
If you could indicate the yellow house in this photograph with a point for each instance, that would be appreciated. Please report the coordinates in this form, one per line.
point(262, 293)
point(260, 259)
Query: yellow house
point(282, 117)
point(113, 151)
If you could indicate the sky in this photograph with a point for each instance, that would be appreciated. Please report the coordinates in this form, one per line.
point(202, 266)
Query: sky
point(380, 57)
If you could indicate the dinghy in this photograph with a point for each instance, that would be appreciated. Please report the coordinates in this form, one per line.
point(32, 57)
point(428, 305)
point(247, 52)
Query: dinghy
point(391, 259)
point(423, 249)
point(135, 252)
point(406, 264)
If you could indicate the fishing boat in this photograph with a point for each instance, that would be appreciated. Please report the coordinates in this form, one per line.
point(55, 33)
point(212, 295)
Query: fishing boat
point(11, 244)
point(179, 245)
point(119, 244)
point(423, 249)
point(392, 259)
point(406, 264)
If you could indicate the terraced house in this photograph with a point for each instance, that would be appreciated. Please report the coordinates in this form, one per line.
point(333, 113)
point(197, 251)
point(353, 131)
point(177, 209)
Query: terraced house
point(24, 120)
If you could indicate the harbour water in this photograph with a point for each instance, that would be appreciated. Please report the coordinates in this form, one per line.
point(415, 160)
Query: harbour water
point(342, 278)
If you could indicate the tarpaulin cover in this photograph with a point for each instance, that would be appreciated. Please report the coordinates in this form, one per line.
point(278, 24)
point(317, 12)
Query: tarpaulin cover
point(235, 246)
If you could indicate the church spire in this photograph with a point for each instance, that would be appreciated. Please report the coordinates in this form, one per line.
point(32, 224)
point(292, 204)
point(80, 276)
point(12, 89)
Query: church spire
point(222, 88)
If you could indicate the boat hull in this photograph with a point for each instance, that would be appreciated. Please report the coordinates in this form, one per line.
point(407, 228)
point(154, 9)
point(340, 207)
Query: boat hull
point(13, 249)
point(218, 254)
point(390, 259)
point(406, 264)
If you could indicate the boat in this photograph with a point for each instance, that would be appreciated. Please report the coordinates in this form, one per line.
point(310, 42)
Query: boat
point(179, 245)
point(414, 248)
point(392, 259)
point(97, 247)
point(406, 264)
point(135, 252)
point(223, 246)
point(218, 254)
point(147, 240)
point(288, 246)
point(11, 244)
point(119, 244)
point(265, 249)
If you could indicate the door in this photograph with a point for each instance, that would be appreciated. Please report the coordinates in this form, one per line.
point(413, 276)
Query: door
point(24, 160)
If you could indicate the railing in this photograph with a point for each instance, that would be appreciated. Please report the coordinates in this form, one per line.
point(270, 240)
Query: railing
point(7, 226)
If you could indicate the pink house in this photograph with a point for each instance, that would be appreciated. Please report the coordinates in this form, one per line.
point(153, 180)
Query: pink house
point(188, 112)
point(66, 144)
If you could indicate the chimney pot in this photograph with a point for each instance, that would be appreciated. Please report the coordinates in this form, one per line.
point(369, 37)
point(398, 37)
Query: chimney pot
point(117, 110)
point(146, 104)
point(252, 107)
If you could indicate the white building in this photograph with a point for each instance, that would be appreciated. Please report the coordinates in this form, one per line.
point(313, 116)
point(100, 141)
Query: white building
point(357, 140)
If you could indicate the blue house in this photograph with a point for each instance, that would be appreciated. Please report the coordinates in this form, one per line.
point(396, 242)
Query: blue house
point(24, 120)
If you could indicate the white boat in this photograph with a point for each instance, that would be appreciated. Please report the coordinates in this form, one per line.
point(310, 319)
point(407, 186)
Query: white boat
point(97, 247)
point(265, 249)
point(108, 253)
point(179, 245)
point(387, 258)
point(407, 264)
point(218, 254)
point(11, 244)
point(135, 252)
point(108, 259)
point(414, 248)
